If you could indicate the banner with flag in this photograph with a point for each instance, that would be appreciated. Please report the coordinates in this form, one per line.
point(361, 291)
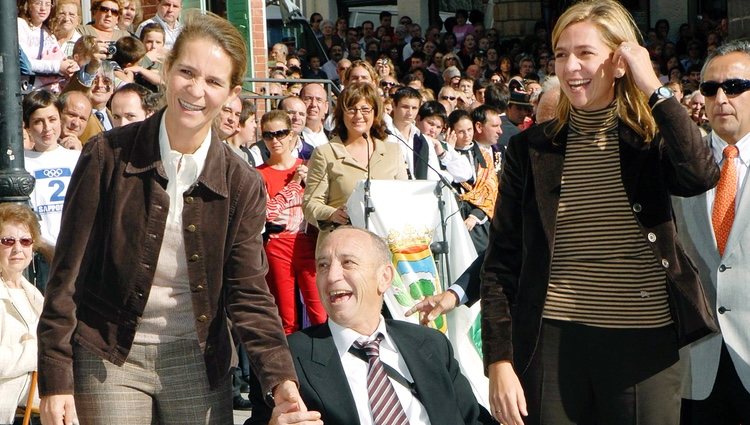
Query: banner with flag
point(406, 214)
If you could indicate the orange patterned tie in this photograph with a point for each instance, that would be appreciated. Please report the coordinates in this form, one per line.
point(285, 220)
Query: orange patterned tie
point(722, 216)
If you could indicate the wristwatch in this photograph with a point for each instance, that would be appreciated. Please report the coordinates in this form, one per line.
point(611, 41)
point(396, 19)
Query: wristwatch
point(660, 94)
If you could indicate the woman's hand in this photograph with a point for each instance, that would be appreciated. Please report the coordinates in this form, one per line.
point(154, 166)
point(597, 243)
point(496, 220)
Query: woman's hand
point(339, 216)
point(68, 67)
point(634, 59)
point(507, 400)
point(58, 410)
point(450, 137)
point(300, 175)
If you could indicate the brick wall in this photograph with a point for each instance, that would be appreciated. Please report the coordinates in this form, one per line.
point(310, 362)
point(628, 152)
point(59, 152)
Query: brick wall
point(259, 50)
point(149, 8)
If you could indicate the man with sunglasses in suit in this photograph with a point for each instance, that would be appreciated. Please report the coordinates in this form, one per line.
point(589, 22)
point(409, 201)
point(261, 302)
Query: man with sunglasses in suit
point(715, 230)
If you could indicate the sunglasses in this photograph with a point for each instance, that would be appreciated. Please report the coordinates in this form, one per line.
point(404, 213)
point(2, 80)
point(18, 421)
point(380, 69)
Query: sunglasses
point(732, 87)
point(387, 84)
point(9, 241)
point(280, 134)
point(449, 97)
point(113, 11)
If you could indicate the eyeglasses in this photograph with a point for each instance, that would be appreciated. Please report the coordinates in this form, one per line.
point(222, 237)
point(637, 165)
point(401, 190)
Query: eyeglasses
point(732, 87)
point(41, 3)
point(365, 110)
point(9, 241)
point(113, 11)
point(387, 84)
point(278, 135)
point(449, 97)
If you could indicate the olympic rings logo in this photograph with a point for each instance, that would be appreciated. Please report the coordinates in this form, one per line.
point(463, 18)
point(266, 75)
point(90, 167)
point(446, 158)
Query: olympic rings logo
point(53, 172)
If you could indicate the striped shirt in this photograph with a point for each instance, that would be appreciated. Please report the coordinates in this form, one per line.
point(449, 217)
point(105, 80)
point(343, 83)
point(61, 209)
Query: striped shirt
point(604, 273)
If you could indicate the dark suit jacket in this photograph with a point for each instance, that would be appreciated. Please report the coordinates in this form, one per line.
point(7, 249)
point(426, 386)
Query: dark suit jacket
point(442, 389)
point(517, 263)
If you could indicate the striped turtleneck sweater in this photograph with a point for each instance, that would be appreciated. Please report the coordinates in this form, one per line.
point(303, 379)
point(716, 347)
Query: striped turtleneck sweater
point(603, 272)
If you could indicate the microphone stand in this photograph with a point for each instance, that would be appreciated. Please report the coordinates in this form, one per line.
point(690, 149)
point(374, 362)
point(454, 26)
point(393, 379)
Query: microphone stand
point(367, 200)
point(440, 248)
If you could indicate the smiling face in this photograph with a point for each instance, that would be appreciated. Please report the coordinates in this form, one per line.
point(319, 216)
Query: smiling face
point(351, 281)
point(198, 84)
point(584, 66)
point(728, 115)
point(297, 111)
point(39, 11)
point(67, 18)
point(14, 259)
point(358, 118)
point(44, 128)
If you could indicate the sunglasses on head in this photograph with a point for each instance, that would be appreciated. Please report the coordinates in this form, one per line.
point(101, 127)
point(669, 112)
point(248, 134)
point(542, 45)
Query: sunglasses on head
point(9, 241)
point(732, 87)
point(113, 11)
point(280, 134)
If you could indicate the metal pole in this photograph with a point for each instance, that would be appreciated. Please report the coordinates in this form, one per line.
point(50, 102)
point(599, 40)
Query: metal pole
point(15, 183)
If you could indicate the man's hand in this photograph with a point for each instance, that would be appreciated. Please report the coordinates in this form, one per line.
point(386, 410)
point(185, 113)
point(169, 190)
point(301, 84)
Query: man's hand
point(58, 410)
point(470, 222)
point(289, 413)
point(290, 409)
point(507, 400)
point(433, 306)
point(71, 142)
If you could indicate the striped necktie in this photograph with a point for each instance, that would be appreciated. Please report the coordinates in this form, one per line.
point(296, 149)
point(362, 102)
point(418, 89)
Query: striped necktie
point(722, 215)
point(384, 404)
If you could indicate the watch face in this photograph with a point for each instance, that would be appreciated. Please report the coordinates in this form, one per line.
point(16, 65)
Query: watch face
point(664, 92)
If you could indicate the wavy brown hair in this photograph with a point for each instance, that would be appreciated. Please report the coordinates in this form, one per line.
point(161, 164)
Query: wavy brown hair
point(615, 25)
point(351, 95)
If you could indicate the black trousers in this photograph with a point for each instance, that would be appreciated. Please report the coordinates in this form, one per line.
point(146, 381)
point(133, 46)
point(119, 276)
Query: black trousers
point(728, 403)
point(589, 375)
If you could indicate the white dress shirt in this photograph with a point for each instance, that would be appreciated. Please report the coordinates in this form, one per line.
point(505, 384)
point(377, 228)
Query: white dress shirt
point(315, 138)
point(356, 372)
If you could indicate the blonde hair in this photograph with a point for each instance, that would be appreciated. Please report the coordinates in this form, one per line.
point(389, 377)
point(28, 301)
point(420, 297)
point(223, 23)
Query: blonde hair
point(615, 25)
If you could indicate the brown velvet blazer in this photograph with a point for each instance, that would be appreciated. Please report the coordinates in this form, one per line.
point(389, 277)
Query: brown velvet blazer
point(107, 251)
point(517, 263)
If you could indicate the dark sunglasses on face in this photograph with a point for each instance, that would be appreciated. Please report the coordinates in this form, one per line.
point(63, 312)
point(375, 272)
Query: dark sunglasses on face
point(113, 11)
point(387, 84)
point(449, 97)
point(280, 134)
point(9, 241)
point(732, 87)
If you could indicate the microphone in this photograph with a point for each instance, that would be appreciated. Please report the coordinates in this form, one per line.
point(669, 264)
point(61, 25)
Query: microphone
point(421, 158)
point(368, 208)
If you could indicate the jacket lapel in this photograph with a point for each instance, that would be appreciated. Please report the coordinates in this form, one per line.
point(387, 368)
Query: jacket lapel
point(327, 378)
point(419, 359)
point(741, 222)
point(547, 161)
point(421, 154)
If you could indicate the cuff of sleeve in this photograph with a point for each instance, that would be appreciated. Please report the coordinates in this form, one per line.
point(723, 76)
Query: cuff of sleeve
point(458, 290)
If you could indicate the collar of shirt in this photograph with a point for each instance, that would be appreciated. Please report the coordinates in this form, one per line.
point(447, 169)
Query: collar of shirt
point(182, 170)
point(718, 144)
point(343, 337)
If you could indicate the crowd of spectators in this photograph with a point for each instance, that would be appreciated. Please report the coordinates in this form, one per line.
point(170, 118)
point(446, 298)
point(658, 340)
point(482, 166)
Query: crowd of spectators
point(438, 102)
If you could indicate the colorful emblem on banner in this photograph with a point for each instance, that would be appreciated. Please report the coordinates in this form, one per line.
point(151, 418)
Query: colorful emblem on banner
point(417, 273)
